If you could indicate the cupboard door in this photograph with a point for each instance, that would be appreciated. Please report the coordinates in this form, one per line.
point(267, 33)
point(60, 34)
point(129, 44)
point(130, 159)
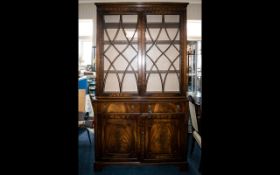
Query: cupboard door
point(162, 53)
point(119, 137)
point(120, 54)
point(164, 138)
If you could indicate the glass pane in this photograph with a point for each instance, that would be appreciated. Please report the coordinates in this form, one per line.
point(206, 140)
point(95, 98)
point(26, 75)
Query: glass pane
point(171, 83)
point(129, 83)
point(130, 18)
point(154, 83)
point(112, 83)
point(172, 18)
point(154, 18)
point(112, 18)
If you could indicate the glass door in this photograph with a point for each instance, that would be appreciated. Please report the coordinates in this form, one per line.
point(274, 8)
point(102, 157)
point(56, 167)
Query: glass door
point(120, 54)
point(162, 53)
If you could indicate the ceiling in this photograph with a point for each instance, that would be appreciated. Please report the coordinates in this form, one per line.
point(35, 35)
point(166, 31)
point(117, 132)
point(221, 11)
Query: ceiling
point(189, 1)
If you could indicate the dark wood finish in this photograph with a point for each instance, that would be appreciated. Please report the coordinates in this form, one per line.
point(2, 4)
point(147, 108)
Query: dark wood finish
point(119, 137)
point(136, 42)
point(140, 128)
point(150, 25)
point(162, 137)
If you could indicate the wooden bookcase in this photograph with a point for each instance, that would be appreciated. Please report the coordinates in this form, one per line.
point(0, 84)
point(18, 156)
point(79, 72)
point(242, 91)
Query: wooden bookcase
point(140, 106)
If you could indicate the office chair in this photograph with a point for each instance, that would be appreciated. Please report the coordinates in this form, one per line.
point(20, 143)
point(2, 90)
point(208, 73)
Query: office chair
point(83, 122)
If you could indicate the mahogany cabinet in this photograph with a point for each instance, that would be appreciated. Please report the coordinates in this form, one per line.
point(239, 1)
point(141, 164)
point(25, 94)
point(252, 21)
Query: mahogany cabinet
point(140, 105)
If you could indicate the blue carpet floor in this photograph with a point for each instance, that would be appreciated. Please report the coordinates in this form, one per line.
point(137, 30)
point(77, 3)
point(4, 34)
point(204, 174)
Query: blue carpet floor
point(86, 159)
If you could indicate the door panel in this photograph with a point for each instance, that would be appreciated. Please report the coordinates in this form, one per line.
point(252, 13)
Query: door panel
point(119, 137)
point(120, 53)
point(162, 53)
point(163, 136)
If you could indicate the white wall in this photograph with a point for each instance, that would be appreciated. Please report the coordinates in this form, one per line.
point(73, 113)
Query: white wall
point(87, 11)
point(194, 12)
